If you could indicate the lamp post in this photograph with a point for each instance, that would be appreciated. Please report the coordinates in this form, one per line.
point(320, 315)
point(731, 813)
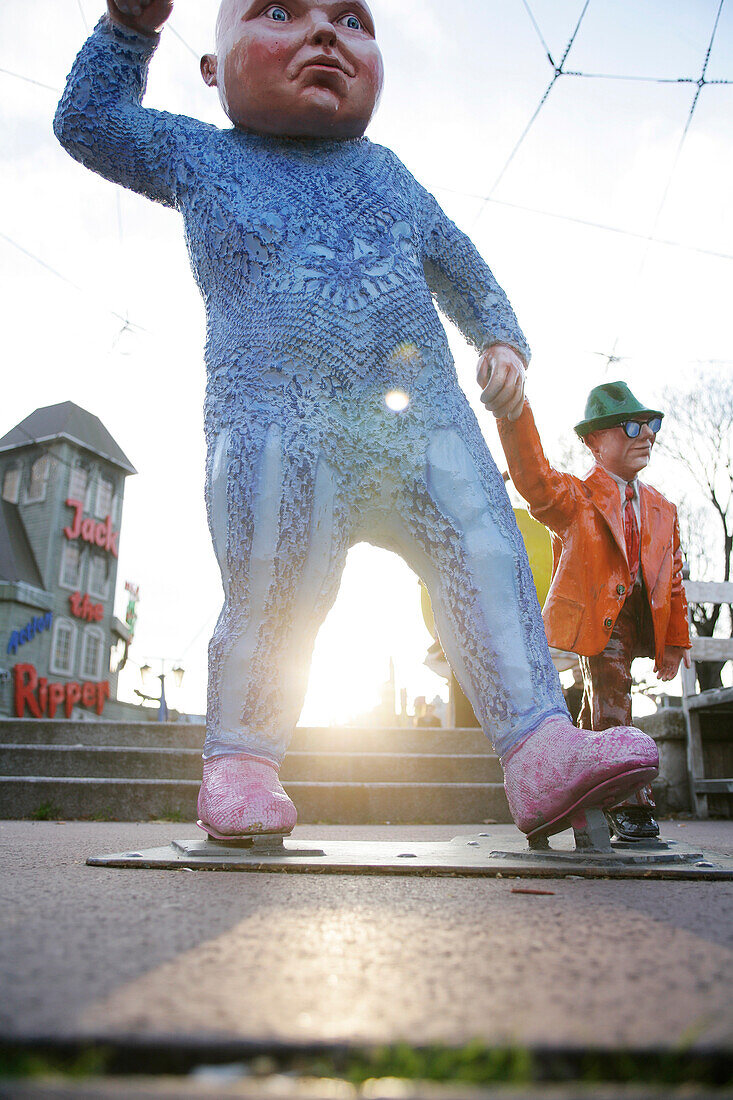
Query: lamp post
point(177, 672)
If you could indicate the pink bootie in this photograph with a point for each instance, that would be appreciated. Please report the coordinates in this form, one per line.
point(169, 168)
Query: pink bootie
point(242, 796)
point(560, 770)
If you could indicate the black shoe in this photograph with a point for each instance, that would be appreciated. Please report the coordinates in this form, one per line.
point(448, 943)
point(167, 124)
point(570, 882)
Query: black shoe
point(632, 823)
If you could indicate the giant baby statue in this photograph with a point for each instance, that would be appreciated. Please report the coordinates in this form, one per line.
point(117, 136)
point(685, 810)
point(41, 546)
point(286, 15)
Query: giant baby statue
point(333, 413)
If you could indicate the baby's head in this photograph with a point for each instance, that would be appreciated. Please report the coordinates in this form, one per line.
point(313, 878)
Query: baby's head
point(302, 68)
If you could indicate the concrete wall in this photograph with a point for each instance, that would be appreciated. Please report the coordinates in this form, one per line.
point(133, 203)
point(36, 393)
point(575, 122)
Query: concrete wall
point(671, 789)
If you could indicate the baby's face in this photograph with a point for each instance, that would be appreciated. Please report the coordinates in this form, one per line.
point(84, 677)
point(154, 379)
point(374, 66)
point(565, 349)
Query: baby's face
point(302, 68)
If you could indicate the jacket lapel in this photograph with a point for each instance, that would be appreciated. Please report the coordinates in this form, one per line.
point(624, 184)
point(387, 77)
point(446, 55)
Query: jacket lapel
point(605, 496)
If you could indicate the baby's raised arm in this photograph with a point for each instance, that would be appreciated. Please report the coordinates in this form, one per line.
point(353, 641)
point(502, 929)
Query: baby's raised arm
point(144, 16)
point(100, 120)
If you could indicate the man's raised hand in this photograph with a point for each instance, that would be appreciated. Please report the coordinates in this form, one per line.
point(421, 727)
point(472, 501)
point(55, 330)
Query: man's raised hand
point(501, 377)
point(146, 16)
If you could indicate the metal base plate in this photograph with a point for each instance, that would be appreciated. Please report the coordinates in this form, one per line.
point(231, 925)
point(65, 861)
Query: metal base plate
point(502, 853)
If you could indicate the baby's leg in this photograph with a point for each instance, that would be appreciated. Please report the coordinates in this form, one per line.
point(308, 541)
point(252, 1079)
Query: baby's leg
point(459, 533)
point(281, 546)
point(464, 542)
point(274, 518)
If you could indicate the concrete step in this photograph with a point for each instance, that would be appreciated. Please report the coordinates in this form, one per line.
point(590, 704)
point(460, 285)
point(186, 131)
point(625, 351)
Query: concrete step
point(137, 771)
point(127, 763)
point(30, 731)
point(318, 803)
point(181, 735)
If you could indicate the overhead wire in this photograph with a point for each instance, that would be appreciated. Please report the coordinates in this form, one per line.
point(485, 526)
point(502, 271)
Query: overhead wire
point(30, 80)
point(587, 223)
point(44, 448)
point(64, 279)
point(645, 79)
point(182, 40)
point(207, 626)
point(693, 106)
point(540, 35)
point(127, 325)
point(701, 82)
point(558, 72)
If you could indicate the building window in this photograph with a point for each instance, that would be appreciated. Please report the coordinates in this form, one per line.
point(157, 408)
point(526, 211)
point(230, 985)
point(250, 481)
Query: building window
point(71, 566)
point(99, 576)
point(62, 648)
point(105, 493)
point(92, 652)
point(39, 479)
point(78, 484)
point(11, 485)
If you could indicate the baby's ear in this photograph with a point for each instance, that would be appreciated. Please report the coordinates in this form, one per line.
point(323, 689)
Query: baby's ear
point(208, 69)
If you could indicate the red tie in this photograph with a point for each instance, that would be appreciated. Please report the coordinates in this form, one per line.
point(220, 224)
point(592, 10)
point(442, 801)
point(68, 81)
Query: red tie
point(631, 530)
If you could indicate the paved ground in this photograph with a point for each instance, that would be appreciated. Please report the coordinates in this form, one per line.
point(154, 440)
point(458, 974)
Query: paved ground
point(303, 958)
point(284, 1088)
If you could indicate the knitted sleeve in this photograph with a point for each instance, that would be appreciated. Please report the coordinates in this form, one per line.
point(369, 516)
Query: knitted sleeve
point(462, 282)
point(101, 123)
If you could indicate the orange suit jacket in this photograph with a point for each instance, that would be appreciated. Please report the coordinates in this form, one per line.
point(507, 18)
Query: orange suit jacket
point(590, 572)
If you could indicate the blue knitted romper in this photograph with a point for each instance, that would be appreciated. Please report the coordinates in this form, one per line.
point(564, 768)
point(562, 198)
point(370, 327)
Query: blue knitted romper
point(318, 262)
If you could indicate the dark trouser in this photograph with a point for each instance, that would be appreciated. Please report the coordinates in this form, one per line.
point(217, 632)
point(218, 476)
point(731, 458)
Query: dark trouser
point(607, 676)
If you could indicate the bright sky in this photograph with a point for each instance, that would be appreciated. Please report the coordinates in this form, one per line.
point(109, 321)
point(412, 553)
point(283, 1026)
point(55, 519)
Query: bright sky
point(463, 80)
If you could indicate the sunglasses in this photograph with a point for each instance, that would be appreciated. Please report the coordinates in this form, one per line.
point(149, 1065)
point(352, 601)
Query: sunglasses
point(632, 428)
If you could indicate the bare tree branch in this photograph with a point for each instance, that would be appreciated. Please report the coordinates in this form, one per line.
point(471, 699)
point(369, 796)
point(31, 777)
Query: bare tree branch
point(697, 436)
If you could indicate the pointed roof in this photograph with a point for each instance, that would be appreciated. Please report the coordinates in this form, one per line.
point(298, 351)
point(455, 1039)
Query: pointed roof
point(67, 421)
point(17, 560)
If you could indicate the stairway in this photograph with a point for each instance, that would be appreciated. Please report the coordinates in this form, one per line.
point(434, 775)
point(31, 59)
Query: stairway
point(121, 771)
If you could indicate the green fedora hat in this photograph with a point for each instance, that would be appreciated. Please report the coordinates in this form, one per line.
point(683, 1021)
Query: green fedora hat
point(611, 404)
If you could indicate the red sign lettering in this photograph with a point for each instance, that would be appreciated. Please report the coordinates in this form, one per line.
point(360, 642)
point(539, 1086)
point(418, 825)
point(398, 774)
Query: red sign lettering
point(89, 530)
point(41, 698)
point(83, 608)
point(26, 680)
point(55, 698)
point(73, 697)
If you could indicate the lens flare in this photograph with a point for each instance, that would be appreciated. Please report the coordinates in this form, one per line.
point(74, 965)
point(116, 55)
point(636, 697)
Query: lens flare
point(406, 354)
point(397, 400)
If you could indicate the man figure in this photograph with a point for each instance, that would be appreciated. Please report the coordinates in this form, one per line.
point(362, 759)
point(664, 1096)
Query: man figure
point(617, 589)
point(333, 413)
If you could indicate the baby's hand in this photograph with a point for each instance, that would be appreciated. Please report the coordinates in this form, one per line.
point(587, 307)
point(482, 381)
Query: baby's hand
point(145, 16)
point(501, 377)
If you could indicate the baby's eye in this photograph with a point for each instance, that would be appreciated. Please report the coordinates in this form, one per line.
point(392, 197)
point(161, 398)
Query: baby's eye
point(352, 22)
point(278, 14)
